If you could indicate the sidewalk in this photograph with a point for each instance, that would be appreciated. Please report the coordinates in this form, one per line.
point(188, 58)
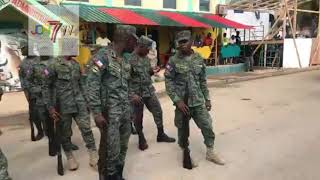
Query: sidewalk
point(218, 80)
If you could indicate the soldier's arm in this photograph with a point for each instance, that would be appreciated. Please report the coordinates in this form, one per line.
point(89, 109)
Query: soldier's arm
point(203, 81)
point(83, 83)
point(23, 80)
point(95, 71)
point(170, 82)
point(49, 89)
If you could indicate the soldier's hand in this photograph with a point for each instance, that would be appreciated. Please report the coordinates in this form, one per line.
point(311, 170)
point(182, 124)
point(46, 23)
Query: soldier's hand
point(156, 69)
point(54, 114)
point(101, 122)
point(136, 99)
point(183, 107)
point(208, 105)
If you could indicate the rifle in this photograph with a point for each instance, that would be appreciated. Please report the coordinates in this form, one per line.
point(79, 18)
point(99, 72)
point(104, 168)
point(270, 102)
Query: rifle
point(57, 132)
point(187, 163)
point(31, 116)
point(102, 154)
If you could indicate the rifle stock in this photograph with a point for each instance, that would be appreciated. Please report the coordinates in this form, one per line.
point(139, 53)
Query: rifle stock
point(187, 163)
point(57, 130)
point(31, 112)
point(103, 153)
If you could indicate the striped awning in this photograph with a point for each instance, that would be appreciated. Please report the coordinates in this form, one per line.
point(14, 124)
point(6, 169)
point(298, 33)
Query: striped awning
point(138, 16)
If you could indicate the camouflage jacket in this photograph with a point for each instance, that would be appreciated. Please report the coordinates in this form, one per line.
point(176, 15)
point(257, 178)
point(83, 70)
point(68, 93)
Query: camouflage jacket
point(186, 79)
point(141, 82)
point(108, 85)
point(66, 87)
point(25, 70)
point(37, 80)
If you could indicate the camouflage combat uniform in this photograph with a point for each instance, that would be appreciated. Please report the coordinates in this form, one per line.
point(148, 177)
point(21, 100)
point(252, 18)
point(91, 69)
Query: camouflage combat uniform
point(108, 94)
point(32, 89)
point(68, 97)
point(3, 167)
point(4, 175)
point(186, 81)
point(141, 85)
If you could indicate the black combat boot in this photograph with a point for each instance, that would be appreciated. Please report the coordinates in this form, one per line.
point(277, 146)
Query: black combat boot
point(143, 145)
point(39, 136)
point(162, 137)
point(113, 177)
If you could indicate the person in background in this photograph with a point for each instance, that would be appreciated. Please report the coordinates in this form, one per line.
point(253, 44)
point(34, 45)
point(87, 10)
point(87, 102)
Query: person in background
point(232, 40)
point(153, 54)
point(225, 40)
point(197, 42)
point(208, 40)
point(102, 39)
point(238, 38)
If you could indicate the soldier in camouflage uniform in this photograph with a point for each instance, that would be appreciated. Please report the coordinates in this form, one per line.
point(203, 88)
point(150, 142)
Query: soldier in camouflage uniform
point(186, 85)
point(142, 92)
point(37, 78)
point(108, 81)
point(67, 101)
point(25, 70)
point(3, 160)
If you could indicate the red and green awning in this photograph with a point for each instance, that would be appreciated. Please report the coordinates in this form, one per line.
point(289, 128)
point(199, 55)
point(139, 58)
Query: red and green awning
point(149, 17)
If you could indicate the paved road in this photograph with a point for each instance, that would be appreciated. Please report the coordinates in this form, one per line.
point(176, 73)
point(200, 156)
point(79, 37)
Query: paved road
point(267, 129)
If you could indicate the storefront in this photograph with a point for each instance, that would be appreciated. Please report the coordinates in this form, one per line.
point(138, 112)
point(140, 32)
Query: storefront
point(162, 25)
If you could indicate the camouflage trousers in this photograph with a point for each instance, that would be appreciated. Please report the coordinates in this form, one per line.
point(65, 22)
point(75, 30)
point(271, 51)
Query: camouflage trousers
point(153, 105)
point(203, 120)
point(42, 115)
point(114, 140)
point(82, 118)
point(37, 115)
point(3, 167)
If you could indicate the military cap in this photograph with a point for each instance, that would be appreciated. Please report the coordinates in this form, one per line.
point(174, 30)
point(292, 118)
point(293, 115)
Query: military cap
point(145, 41)
point(127, 29)
point(183, 35)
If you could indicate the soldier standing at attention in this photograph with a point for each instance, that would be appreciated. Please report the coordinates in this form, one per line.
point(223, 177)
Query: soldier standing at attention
point(142, 92)
point(4, 175)
point(67, 100)
point(25, 70)
point(186, 85)
point(108, 82)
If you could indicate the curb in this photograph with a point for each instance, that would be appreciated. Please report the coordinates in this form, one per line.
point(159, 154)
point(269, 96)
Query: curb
point(162, 93)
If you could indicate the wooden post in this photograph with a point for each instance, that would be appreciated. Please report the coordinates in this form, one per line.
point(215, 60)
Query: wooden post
point(216, 47)
point(265, 37)
point(294, 38)
point(319, 22)
point(294, 31)
point(284, 26)
point(265, 55)
point(146, 30)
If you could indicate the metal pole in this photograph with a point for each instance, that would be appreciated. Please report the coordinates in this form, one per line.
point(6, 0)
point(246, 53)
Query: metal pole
point(265, 55)
point(295, 19)
point(319, 22)
point(294, 38)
